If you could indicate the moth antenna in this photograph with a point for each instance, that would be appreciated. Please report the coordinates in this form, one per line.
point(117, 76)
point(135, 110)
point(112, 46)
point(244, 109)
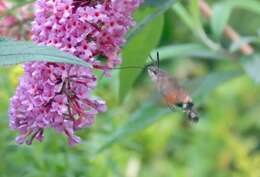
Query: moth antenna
point(158, 59)
point(151, 58)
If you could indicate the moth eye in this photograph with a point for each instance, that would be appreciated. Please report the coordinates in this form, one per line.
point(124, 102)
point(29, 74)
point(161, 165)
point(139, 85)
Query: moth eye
point(155, 71)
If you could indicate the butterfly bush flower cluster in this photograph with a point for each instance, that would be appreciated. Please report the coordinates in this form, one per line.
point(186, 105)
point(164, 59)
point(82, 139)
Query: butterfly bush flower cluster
point(58, 96)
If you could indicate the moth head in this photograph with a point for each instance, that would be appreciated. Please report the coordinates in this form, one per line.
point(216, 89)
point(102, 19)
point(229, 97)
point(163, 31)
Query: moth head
point(153, 72)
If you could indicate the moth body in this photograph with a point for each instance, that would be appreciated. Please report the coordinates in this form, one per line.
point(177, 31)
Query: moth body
point(172, 92)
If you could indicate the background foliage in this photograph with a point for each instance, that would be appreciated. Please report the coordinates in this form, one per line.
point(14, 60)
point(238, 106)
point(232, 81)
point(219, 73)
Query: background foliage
point(139, 136)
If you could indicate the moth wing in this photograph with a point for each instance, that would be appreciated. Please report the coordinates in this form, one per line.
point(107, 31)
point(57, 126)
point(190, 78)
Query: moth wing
point(168, 88)
point(173, 92)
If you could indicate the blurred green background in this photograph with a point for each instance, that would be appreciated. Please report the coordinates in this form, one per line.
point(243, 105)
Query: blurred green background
point(139, 136)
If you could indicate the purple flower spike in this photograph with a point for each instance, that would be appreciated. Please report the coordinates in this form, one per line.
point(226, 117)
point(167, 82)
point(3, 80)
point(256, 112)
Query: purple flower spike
point(58, 96)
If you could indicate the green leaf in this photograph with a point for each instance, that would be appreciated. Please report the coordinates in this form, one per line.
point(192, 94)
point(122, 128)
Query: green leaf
point(160, 9)
point(196, 15)
point(193, 21)
point(146, 115)
point(136, 52)
point(183, 15)
point(203, 86)
point(236, 45)
point(188, 50)
point(251, 65)
point(16, 52)
point(221, 14)
point(250, 5)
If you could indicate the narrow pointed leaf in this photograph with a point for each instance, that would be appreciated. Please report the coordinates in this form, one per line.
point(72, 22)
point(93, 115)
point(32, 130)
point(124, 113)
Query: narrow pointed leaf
point(146, 115)
point(188, 50)
point(17, 52)
point(136, 53)
point(161, 7)
point(203, 86)
point(251, 65)
point(221, 14)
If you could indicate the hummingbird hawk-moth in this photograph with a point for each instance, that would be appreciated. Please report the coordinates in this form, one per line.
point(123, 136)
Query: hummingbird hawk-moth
point(172, 92)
